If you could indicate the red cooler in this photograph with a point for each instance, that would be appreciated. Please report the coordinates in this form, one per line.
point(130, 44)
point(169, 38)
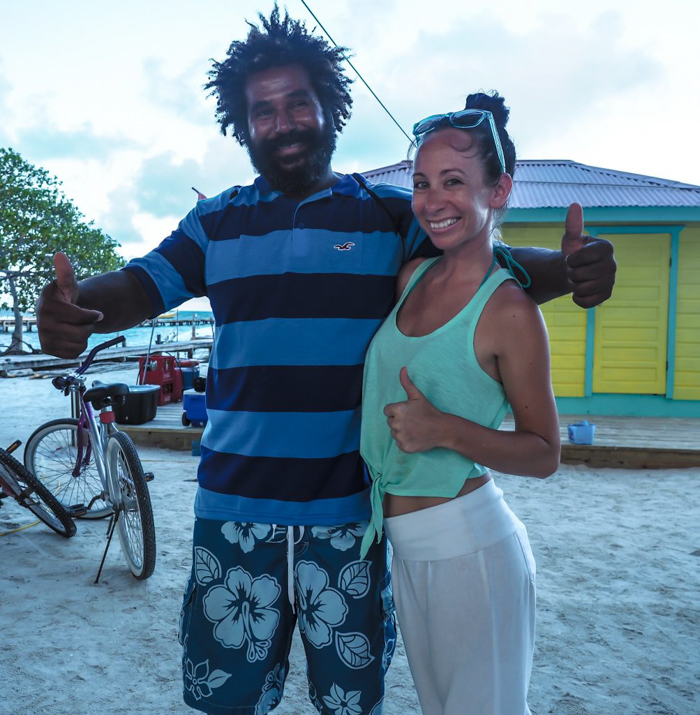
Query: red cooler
point(161, 370)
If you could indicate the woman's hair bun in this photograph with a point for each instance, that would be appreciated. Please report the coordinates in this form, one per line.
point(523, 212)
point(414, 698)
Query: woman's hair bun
point(493, 102)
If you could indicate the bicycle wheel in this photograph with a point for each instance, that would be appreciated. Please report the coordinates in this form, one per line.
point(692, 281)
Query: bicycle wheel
point(135, 525)
point(50, 454)
point(33, 495)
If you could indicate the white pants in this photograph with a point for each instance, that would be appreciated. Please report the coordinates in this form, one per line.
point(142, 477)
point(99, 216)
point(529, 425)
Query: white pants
point(464, 583)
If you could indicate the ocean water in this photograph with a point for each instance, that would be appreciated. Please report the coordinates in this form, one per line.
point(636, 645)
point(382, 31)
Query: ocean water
point(135, 337)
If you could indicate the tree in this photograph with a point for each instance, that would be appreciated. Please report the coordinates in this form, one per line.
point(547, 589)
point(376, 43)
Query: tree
point(36, 220)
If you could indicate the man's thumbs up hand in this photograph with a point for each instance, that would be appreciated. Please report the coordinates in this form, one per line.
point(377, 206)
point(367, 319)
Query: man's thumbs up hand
point(64, 327)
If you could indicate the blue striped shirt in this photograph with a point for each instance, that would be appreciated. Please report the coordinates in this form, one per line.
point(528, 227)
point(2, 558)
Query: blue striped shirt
point(297, 289)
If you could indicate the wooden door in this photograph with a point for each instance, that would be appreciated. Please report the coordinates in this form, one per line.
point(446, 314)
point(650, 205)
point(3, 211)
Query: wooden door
point(631, 328)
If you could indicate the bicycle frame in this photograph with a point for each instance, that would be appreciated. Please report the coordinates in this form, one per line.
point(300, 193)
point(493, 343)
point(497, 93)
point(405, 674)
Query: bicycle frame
point(99, 431)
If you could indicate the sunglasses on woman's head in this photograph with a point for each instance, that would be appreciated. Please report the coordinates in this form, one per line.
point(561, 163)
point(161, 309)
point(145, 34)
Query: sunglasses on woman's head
point(464, 119)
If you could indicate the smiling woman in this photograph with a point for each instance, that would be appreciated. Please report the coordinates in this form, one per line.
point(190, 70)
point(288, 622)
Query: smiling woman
point(451, 200)
point(463, 342)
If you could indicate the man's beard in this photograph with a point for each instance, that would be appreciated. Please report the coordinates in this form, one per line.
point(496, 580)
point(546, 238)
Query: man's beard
point(319, 148)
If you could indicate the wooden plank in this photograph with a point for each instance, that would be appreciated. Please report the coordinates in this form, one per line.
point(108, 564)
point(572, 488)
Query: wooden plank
point(166, 430)
point(634, 432)
point(176, 438)
point(629, 457)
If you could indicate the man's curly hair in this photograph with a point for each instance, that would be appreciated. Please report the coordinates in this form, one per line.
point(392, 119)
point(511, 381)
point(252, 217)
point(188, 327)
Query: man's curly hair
point(276, 44)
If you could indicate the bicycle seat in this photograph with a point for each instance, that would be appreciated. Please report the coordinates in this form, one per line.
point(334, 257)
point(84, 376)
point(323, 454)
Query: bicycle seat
point(100, 395)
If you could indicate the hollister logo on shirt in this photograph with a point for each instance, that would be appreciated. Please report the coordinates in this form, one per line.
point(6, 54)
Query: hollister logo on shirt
point(344, 246)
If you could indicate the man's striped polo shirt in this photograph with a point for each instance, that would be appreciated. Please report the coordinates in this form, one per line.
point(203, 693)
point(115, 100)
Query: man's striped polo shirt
point(297, 289)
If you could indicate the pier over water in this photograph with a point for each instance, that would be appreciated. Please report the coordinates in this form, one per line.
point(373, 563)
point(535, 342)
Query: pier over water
point(7, 323)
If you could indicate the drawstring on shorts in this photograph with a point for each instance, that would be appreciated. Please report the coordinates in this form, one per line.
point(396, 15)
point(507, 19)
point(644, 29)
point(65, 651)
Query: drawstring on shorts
point(291, 543)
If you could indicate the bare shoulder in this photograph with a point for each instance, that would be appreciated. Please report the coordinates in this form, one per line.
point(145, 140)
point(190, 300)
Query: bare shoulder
point(407, 270)
point(513, 310)
point(509, 293)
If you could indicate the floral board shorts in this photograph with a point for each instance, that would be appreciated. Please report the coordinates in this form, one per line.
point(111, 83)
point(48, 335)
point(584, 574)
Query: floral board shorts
point(251, 583)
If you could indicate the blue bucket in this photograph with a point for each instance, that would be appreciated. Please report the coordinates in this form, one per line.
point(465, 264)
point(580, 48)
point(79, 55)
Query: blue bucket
point(581, 432)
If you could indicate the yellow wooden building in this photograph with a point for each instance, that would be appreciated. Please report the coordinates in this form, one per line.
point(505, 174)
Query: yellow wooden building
point(638, 353)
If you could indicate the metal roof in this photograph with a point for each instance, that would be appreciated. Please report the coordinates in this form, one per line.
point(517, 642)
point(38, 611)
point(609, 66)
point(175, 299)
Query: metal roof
point(558, 183)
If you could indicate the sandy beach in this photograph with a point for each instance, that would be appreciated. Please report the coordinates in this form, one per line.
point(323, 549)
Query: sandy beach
point(618, 577)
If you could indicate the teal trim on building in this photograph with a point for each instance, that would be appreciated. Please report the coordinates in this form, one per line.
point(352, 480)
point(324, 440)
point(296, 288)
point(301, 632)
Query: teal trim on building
point(674, 228)
point(624, 214)
point(590, 351)
point(629, 405)
point(672, 313)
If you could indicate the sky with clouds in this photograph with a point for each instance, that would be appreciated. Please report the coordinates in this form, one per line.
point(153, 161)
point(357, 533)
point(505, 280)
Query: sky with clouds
point(109, 96)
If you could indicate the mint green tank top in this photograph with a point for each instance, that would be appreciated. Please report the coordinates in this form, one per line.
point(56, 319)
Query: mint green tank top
point(443, 366)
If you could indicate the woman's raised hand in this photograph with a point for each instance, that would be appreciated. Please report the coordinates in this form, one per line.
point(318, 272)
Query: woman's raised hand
point(416, 424)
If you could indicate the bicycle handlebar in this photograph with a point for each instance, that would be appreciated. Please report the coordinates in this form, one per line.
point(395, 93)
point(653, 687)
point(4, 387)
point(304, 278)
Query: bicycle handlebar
point(65, 381)
point(60, 382)
point(91, 355)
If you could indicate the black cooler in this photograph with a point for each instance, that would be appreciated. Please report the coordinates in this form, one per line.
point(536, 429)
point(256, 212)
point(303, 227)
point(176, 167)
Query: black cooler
point(139, 406)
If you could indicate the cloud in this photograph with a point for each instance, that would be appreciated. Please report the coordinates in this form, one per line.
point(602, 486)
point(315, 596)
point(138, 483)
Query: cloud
point(5, 88)
point(118, 220)
point(558, 63)
point(557, 75)
point(46, 143)
point(163, 187)
point(42, 140)
point(183, 93)
point(160, 192)
point(4, 91)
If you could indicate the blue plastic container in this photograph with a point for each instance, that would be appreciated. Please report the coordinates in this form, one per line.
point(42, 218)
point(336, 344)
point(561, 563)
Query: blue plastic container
point(195, 408)
point(581, 432)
